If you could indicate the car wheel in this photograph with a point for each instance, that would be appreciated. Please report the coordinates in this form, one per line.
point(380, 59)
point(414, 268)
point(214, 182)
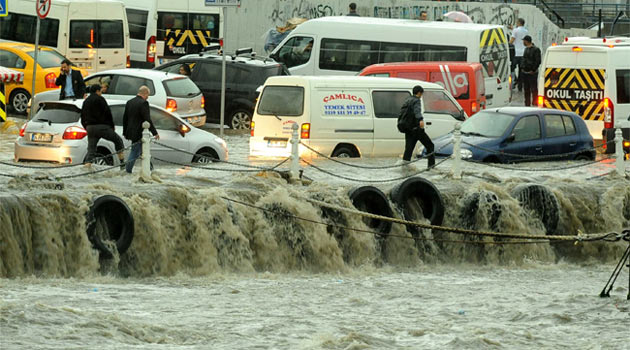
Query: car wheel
point(582, 157)
point(206, 156)
point(344, 152)
point(103, 158)
point(19, 101)
point(241, 119)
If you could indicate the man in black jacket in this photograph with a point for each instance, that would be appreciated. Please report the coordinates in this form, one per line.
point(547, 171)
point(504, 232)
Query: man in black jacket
point(417, 133)
point(137, 112)
point(96, 118)
point(530, 64)
point(71, 82)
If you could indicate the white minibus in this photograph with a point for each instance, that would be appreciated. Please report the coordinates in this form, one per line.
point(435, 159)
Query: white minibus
point(92, 34)
point(162, 30)
point(591, 77)
point(344, 116)
point(346, 45)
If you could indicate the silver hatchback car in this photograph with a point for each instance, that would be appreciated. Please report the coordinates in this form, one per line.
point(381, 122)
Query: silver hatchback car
point(173, 92)
point(56, 135)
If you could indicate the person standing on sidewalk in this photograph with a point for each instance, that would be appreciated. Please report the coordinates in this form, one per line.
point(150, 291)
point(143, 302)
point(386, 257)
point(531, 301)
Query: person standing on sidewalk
point(518, 34)
point(137, 112)
point(531, 62)
point(352, 10)
point(413, 108)
point(96, 118)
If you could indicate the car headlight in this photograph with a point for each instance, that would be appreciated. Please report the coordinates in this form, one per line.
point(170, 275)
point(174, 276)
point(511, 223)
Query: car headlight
point(221, 142)
point(465, 153)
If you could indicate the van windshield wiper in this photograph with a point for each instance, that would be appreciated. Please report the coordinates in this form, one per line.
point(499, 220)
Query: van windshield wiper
point(277, 117)
point(472, 133)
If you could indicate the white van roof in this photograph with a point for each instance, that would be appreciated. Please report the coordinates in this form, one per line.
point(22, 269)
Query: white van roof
point(353, 22)
point(610, 41)
point(350, 81)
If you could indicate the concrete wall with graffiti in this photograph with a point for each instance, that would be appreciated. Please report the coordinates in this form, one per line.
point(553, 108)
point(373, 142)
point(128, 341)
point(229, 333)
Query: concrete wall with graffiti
point(249, 24)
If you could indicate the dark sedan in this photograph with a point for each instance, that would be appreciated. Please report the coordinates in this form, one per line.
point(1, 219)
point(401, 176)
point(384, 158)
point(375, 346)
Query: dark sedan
point(517, 134)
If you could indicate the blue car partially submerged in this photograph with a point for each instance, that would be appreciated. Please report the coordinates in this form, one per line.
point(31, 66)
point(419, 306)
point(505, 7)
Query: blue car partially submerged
point(519, 134)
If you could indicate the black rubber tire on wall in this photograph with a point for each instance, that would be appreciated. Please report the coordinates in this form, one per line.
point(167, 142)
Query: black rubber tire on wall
point(542, 202)
point(425, 194)
point(472, 203)
point(120, 224)
point(370, 199)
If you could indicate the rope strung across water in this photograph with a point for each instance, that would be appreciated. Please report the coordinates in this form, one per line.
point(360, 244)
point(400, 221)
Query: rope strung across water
point(532, 239)
point(579, 237)
point(258, 169)
point(529, 156)
point(371, 181)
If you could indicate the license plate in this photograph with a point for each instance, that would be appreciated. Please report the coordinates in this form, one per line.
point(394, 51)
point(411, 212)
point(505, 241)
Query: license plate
point(194, 120)
point(277, 143)
point(38, 137)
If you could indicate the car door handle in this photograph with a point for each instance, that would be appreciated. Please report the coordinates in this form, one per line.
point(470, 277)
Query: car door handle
point(539, 148)
point(428, 123)
point(572, 144)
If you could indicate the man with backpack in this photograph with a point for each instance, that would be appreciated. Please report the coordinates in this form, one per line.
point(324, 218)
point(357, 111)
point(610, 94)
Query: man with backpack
point(411, 123)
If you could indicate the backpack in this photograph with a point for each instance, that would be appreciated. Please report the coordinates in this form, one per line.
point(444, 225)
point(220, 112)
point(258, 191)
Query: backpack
point(406, 118)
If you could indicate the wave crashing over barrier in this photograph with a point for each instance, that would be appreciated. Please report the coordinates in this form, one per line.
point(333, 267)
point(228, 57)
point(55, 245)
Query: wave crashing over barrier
point(264, 224)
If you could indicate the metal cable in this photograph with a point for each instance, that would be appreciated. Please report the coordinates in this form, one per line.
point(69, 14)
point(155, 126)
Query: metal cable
point(221, 169)
point(495, 165)
point(365, 166)
point(372, 181)
point(525, 156)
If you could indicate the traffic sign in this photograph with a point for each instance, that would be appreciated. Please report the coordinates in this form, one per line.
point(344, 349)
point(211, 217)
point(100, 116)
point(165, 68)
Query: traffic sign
point(43, 8)
point(3, 8)
point(223, 2)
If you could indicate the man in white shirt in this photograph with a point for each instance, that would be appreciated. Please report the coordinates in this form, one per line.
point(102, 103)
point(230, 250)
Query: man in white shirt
point(519, 48)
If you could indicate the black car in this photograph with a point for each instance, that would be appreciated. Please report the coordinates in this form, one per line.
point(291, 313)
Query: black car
point(245, 73)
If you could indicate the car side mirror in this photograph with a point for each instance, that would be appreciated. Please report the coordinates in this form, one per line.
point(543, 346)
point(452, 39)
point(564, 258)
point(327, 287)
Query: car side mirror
point(510, 138)
point(183, 129)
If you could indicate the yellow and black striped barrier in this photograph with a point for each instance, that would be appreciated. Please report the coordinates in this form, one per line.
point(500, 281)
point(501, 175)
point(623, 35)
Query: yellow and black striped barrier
point(3, 103)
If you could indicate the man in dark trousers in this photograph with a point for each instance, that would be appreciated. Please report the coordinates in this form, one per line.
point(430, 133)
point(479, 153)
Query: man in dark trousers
point(137, 112)
point(417, 133)
point(71, 82)
point(96, 118)
point(531, 62)
point(353, 10)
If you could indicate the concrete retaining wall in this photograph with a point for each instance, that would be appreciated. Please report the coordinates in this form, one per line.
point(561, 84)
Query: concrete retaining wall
point(248, 25)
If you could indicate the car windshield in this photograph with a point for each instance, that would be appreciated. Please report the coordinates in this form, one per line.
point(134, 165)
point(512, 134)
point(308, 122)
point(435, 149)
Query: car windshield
point(181, 87)
point(58, 113)
point(281, 101)
point(47, 58)
point(488, 124)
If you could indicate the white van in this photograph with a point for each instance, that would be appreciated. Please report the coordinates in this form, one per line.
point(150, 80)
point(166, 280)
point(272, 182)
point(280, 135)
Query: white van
point(591, 77)
point(92, 34)
point(346, 45)
point(343, 116)
point(163, 30)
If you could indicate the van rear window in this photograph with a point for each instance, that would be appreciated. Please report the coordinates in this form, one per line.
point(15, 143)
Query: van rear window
point(281, 101)
point(623, 85)
point(93, 34)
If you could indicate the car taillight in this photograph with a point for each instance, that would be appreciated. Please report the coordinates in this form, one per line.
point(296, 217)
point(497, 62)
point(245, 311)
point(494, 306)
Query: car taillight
point(74, 133)
point(171, 105)
point(306, 131)
point(609, 113)
point(541, 101)
point(22, 130)
point(49, 80)
point(251, 128)
point(473, 107)
point(626, 143)
point(203, 102)
point(151, 49)
point(128, 61)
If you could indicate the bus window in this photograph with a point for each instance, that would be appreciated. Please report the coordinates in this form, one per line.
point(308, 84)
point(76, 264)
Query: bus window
point(442, 53)
point(347, 55)
point(85, 34)
point(18, 27)
point(397, 52)
point(296, 51)
point(137, 23)
point(623, 85)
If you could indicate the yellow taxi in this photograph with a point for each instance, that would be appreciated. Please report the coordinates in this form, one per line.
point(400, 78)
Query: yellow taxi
point(19, 57)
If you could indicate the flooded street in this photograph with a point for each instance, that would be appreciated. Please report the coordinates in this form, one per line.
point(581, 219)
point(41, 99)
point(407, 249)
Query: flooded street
point(204, 271)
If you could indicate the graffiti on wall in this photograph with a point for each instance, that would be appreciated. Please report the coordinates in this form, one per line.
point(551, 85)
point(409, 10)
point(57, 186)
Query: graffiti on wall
point(285, 10)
